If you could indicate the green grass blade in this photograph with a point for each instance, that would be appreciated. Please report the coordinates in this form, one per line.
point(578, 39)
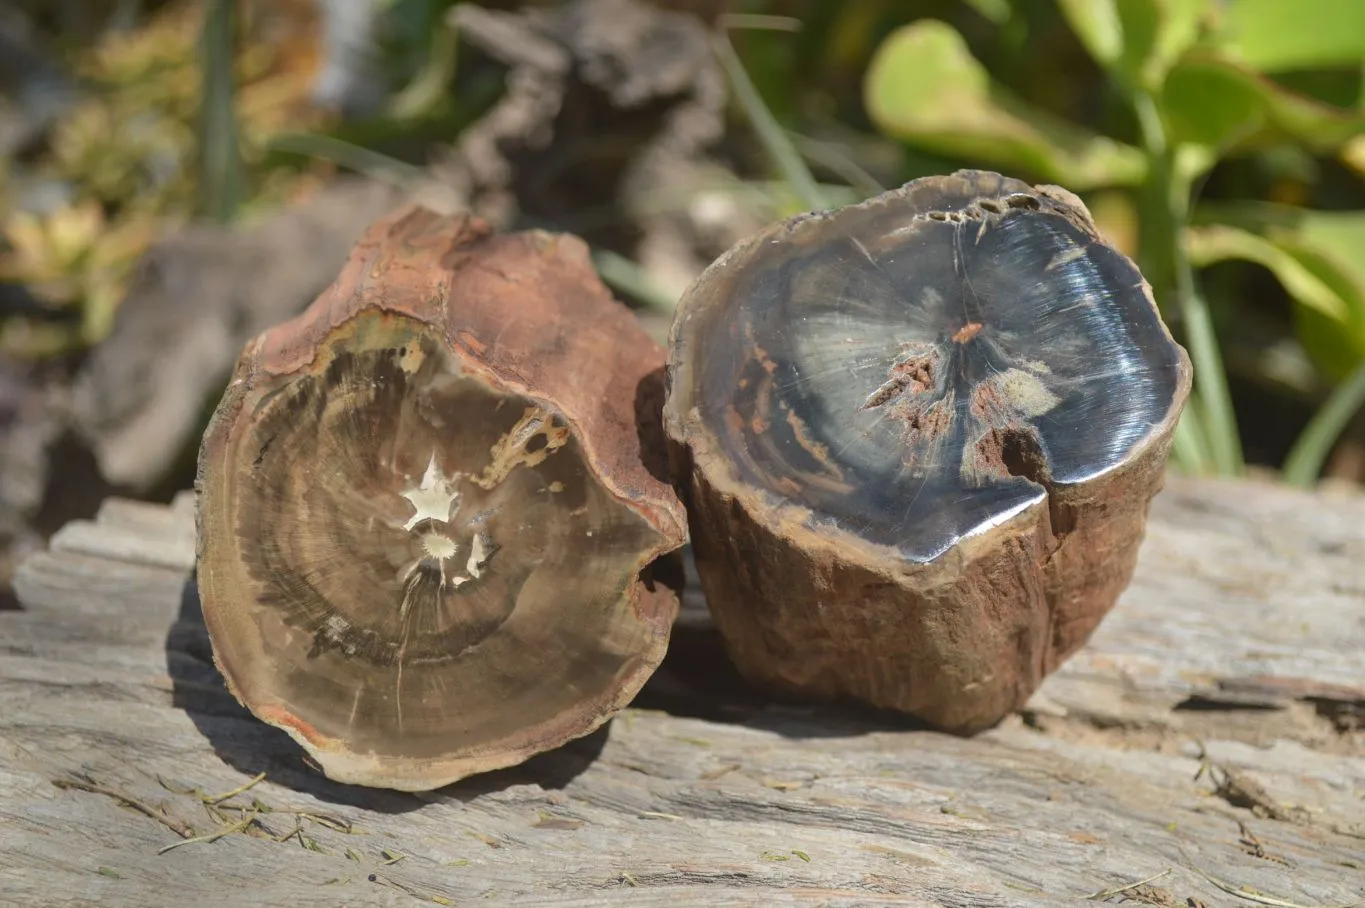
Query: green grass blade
point(432, 83)
point(1191, 448)
point(1167, 259)
point(220, 160)
point(830, 155)
point(626, 276)
point(774, 138)
point(1211, 393)
point(373, 164)
point(1310, 450)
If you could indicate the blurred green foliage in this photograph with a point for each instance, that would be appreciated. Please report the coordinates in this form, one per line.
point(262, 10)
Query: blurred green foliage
point(1219, 142)
point(1197, 77)
point(1184, 96)
point(126, 158)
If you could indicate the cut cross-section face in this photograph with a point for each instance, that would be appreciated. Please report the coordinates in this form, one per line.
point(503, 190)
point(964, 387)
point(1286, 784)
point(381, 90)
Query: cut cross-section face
point(914, 373)
point(431, 506)
point(410, 532)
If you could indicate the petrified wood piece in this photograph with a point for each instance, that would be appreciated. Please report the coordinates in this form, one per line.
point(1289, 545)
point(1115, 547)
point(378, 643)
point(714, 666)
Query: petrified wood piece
point(919, 436)
point(426, 519)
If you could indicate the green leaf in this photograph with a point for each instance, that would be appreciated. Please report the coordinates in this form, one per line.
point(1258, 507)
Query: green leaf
point(1315, 255)
point(1209, 97)
point(1339, 236)
point(1141, 25)
point(1181, 26)
point(997, 11)
point(1218, 242)
point(1335, 346)
point(1321, 127)
point(1137, 40)
point(1277, 35)
point(1097, 24)
point(924, 87)
point(1209, 104)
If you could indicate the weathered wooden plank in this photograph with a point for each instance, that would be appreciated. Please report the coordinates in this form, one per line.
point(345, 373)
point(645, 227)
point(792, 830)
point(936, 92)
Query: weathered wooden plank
point(1248, 597)
point(142, 533)
point(1244, 630)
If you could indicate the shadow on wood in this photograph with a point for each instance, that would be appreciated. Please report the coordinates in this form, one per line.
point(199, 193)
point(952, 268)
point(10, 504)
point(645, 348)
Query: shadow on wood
point(698, 681)
point(252, 747)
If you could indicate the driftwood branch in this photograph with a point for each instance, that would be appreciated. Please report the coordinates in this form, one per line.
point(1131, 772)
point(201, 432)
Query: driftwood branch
point(1207, 744)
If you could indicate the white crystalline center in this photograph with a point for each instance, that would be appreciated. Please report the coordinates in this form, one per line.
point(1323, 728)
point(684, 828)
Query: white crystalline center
point(436, 497)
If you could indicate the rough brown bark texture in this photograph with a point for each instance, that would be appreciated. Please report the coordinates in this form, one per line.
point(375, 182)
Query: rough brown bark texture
point(430, 505)
point(959, 643)
point(1242, 637)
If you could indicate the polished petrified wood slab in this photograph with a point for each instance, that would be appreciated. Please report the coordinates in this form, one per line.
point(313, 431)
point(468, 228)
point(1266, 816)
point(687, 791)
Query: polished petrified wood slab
point(1210, 737)
point(918, 436)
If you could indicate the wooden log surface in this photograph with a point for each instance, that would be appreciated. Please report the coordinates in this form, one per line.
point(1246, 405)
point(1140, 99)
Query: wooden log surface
point(1211, 737)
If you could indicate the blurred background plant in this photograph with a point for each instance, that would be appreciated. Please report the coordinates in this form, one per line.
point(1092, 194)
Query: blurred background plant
point(107, 105)
point(1219, 142)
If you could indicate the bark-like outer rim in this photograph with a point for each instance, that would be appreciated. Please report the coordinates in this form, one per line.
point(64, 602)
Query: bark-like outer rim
point(271, 359)
point(705, 455)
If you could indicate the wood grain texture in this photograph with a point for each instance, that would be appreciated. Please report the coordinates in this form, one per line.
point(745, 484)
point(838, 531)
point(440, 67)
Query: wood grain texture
point(1244, 630)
